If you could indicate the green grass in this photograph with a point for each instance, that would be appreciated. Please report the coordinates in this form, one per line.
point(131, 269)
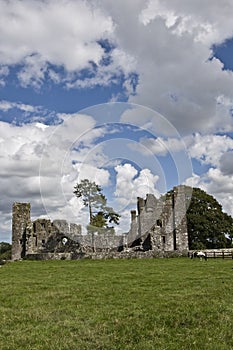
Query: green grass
point(117, 304)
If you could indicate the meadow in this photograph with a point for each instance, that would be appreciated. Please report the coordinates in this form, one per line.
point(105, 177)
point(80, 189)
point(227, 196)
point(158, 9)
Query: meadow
point(133, 304)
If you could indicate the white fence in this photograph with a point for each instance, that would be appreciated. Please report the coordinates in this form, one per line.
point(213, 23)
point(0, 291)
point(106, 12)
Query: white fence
point(213, 253)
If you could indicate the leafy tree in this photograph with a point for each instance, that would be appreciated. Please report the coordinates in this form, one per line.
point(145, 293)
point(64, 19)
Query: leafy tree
point(5, 251)
point(99, 220)
point(208, 226)
point(100, 215)
point(92, 196)
point(4, 247)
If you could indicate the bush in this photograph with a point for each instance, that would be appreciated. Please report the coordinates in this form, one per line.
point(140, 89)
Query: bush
point(5, 251)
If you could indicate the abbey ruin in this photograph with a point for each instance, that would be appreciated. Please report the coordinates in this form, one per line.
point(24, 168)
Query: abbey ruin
point(157, 226)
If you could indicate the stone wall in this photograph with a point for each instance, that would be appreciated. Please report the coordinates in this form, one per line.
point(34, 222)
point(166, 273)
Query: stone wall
point(181, 202)
point(43, 237)
point(127, 254)
point(158, 226)
point(20, 222)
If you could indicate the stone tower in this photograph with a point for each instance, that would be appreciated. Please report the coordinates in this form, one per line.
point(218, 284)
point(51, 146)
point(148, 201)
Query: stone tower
point(181, 195)
point(161, 224)
point(20, 221)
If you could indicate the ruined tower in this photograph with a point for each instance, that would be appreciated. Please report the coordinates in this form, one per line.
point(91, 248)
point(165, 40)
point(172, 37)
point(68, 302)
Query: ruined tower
point(161, 224)
point(20, 221)
point(180, 204)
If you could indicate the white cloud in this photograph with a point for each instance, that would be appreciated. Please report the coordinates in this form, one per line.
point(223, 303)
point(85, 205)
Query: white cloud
point(33, 72)
point(63, 33)
point(179, 20)
point(171, 43)
point(122, 64)
point(217, 184)
point(66, 34)
point(74, 211)
point(90, 172)
point(4, 71)
point(130, 184)
point(104, 77)
point(215, 152)
point(170, 75)
point(7, 105)
point(226, 163)
point(148, 119)
point(182, 17)
point(208, 149)
point(159, 146)
point(163, 42)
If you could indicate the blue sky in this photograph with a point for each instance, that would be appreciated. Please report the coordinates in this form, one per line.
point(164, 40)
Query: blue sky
point(224, 53)
point(135, 95)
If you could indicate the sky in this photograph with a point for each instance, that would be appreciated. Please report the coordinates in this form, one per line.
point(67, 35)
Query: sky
point(136, 95)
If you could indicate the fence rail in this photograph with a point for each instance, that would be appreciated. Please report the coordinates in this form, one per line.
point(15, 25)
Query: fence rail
point(214, 254)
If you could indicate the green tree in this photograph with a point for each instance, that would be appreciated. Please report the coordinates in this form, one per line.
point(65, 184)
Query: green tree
point(92, 196)
point(5, 251)
point(208, 226)
point(100, 215)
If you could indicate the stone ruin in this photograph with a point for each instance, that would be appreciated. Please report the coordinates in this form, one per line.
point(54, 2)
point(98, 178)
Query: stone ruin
point(157, 227)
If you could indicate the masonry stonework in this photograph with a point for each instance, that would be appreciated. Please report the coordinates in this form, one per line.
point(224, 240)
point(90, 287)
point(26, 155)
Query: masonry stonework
point(157, 227)
point(20, 221)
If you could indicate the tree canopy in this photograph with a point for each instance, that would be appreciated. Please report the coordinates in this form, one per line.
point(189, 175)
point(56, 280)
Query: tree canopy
point(208, 226)
point(100, 215)
point(5, 251)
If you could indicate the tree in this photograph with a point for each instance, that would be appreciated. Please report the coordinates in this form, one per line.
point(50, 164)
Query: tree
point(100, 215)
point(5, 251)
point(92, 196)
point(208, 226)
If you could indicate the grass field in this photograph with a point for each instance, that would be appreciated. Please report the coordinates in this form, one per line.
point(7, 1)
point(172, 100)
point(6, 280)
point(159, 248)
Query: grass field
point(117, 304)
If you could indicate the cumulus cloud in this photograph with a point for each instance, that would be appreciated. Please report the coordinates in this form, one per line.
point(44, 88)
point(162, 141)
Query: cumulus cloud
point(170, 41)
point(189, 18)
point(160, 146)
point(226, 163)
point(33, 72)
point(55, 31)
point(217, 184)
point(39, 36)
point(208, 149)
point(215, 153)
point(150, 120)
point(206, 18)
point(131, 183)
point(162, 42)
